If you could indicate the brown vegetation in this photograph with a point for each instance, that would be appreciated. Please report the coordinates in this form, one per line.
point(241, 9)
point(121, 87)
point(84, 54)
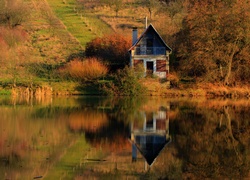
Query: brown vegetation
point(216, 43)
point(88, 69)
point(112, 48)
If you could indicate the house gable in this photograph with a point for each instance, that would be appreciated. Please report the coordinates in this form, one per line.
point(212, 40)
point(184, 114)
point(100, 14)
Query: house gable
point(150, 34)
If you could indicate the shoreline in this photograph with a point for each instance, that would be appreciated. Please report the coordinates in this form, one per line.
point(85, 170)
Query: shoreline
point(205, 91)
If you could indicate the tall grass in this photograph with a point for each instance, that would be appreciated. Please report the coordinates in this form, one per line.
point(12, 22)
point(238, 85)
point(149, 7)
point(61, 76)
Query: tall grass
point(86, 70)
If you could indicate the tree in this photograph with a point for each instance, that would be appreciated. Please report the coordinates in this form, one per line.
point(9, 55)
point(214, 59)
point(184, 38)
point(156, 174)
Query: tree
point(113, 49)
point(117, 4)
point(217, 43)
point(12, 12)
point(174, 7)
point(80, 7)
point(151, 5)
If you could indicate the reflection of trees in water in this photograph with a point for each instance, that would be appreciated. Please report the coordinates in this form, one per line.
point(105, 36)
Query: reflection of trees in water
point(213, 140)
point(29, 145)
point(112, 138)
point(89, 121)
point(106, 123)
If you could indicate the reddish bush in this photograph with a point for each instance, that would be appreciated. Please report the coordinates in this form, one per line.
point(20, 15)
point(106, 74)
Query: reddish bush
point(12, 37)
point(112, 48)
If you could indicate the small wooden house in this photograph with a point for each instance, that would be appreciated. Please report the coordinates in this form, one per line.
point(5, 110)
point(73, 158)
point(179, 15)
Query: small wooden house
point(151, 52)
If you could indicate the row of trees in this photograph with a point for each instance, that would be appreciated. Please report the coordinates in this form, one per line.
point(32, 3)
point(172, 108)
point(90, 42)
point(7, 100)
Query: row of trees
point(214, 43)
point(151, 5)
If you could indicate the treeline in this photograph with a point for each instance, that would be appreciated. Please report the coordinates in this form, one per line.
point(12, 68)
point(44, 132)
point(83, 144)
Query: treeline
point(214, 43)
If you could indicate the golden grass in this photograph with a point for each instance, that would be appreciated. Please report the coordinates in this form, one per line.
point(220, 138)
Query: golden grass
point(88, 69)
point(205, 90)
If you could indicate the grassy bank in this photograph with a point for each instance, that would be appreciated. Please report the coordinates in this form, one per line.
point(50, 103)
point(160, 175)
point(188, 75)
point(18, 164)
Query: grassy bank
point(152, 87)
point(207, 90)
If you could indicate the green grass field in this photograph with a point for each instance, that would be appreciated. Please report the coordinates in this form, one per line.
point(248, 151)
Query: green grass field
point(83, 27)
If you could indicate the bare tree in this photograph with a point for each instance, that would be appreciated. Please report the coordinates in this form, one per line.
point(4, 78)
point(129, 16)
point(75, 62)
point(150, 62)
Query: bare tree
point(151, 5)
point(12, 12)
point(217, 44)
point(115, 4)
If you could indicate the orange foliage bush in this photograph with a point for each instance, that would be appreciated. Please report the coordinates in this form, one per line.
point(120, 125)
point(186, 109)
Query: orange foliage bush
point(88, 69)
point(112, 48)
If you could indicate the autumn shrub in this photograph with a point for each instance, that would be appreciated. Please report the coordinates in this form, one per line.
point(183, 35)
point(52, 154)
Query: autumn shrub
point(139, 70)
point(174, 79)
point(112, 48)
point(88, 69)
point(13, 13)
point(11, 37)
point(125, 83)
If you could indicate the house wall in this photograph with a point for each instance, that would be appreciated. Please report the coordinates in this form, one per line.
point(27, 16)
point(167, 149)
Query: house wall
point(137, 62)
point(160, 66)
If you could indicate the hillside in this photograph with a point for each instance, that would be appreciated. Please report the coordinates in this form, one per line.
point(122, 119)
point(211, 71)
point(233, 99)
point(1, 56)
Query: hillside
point(54, 31)
point(96, 19)
point(39, 37)
point(45, 43)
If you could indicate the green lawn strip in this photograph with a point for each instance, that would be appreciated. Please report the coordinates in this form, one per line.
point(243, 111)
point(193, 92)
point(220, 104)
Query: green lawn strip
point(98, 26)
point(70, 162)
point(75, 25)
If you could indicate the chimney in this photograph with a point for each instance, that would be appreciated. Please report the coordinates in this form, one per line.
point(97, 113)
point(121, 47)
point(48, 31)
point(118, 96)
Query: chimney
point(134, 35)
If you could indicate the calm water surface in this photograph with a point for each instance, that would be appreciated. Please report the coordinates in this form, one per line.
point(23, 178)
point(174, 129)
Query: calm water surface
point(126, 138)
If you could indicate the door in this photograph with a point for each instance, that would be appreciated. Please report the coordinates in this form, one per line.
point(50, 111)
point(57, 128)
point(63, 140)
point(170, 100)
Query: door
point(150, 68)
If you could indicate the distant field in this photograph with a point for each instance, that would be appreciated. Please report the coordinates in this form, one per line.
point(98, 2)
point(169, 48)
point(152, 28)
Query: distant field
point(96, 20)
point(84, 27)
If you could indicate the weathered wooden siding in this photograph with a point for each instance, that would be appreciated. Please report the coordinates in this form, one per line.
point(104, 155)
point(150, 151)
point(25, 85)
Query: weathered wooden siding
point(161, 65)
point(138, 62)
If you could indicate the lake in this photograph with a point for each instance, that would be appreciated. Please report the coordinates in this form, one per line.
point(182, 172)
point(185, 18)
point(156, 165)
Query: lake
point(124, 138)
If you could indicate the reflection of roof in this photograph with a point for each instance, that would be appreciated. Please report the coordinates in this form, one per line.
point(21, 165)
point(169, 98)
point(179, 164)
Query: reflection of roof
point(150, 146)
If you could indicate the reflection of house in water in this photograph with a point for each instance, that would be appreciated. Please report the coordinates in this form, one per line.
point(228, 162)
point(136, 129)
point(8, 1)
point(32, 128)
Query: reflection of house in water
point(150, 135)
